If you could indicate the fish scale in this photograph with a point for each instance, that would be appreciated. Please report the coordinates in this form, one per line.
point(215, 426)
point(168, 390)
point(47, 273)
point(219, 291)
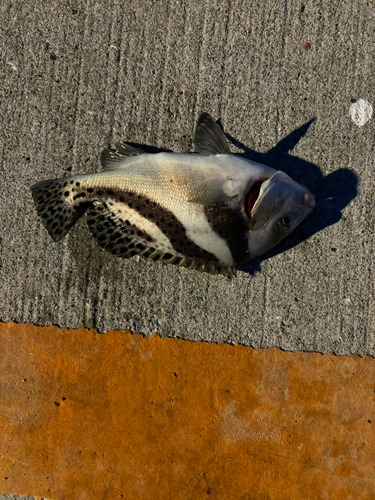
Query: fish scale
point(208, 211)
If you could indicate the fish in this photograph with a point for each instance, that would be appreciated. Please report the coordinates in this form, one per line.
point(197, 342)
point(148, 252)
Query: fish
point(209, 210)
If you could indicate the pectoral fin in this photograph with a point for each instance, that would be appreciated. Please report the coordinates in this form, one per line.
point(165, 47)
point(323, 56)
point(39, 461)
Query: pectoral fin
point(217, 191)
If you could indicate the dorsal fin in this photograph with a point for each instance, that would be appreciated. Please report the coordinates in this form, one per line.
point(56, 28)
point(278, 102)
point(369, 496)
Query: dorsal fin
point(209, 139)
point(113, 159)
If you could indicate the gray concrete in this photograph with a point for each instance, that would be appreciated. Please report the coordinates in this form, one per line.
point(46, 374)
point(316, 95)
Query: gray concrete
point(8, 496)
point(76, 77)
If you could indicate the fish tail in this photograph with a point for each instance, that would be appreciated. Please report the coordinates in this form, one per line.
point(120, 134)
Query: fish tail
point(57, 206)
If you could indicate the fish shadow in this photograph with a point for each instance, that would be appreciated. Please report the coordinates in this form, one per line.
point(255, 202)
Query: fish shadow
point(332, 193)
point(149, 149)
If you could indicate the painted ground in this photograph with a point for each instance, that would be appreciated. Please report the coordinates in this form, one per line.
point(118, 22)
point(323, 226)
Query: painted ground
point(275, 396)
point(118, 416)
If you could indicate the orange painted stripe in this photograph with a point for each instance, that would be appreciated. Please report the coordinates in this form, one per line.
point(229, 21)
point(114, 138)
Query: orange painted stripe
point(88, 416)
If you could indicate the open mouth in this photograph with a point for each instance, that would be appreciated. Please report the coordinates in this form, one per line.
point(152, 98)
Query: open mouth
point(253, 195)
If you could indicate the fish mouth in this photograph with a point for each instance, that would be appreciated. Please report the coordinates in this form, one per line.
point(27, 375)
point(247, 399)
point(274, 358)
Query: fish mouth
point(253, 195)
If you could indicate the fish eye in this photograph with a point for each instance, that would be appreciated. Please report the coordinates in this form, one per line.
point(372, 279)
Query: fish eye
point(286, 221)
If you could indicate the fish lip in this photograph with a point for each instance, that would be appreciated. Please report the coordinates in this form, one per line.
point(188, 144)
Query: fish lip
point(263, 182)
point(253, 195)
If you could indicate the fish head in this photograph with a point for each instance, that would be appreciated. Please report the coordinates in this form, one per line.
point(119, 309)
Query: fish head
point(275, 207)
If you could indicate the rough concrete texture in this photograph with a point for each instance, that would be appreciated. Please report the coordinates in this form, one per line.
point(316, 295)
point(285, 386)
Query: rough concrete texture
point(8, 496)
point(77, 76)
point(111, 416)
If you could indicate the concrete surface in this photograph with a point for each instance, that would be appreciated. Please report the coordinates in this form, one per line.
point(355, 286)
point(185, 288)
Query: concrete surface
point(92, 417)
point(77, 76)
point(9, 496)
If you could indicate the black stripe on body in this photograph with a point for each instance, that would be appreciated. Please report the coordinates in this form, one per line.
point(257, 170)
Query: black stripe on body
point(229, 224)
point(163, 218)
point(113, 236)
point(99, 202)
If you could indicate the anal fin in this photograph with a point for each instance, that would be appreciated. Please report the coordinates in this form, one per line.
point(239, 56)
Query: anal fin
point(115, 235)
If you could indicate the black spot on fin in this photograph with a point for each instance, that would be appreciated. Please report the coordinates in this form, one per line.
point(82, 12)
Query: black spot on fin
point(113, 234)
point(209, 139)
point(54, 204)
point(113, 159)
point(121, 238)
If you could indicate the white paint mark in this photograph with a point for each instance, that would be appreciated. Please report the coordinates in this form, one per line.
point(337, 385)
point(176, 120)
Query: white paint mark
point(347, 301)
point(360, 112)
point(13, 66)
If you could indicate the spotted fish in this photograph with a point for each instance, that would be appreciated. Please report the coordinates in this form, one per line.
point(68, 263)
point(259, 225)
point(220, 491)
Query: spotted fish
point(208, 211)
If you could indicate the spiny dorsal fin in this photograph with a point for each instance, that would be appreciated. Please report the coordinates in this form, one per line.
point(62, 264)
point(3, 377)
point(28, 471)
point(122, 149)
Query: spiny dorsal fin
point(209, 138)
point(113, 159)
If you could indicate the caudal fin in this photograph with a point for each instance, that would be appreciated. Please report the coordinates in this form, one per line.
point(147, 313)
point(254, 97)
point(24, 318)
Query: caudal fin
point(57, 210)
